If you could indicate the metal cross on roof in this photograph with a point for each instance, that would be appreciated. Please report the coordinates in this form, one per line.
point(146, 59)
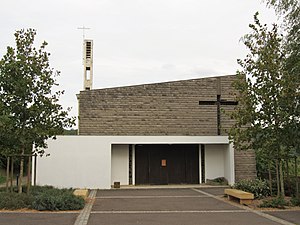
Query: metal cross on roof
point(83, 28)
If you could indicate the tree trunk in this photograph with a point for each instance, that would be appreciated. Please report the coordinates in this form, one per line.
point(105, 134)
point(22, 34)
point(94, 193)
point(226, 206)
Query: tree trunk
point(7, 172)
point(270, 178)
point(29, 175)
point(11, 174)
point(35, 164)
point(296, 178)
point(277, 179)
point(282, 194)
point(287, 171)
point(21, 171)
point(288, 180)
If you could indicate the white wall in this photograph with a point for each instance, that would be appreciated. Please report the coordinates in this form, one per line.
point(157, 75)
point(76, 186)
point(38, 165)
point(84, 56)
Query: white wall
point(229, 164)
point(75, 161)
point(120, 164)
point(219, 162)
point(214, 161)
point(85, 161)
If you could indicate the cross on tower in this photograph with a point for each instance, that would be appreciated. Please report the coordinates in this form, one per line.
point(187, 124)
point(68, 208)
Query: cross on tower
point(83, 28)
point(218, 103)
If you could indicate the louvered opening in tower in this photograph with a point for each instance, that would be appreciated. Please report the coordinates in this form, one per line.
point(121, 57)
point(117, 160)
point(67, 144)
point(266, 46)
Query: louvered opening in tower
point(88, 49)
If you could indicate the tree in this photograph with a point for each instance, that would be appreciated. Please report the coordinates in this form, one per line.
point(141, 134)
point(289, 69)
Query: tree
point(30, 112)
point(267, 113)
point(289, 10)
point(70, 132)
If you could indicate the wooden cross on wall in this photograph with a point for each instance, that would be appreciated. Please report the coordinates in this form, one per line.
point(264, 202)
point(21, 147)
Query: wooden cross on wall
point(218, 103)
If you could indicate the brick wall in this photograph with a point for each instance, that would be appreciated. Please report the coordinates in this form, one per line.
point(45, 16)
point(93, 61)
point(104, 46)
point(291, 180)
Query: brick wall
point(170, 108)
point(245, 166)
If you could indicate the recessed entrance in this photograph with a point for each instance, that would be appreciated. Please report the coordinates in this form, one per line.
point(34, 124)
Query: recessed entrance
point(167, 164)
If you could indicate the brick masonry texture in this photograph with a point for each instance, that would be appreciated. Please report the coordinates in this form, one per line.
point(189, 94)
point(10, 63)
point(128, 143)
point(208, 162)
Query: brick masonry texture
point(170, 108)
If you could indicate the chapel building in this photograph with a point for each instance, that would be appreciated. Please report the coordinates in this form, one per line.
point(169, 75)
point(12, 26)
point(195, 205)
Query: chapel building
point(151, 134)
point(193, 113)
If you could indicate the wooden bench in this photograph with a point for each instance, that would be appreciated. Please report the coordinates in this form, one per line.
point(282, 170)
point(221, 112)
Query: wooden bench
point(245, 198)
point(82, 193)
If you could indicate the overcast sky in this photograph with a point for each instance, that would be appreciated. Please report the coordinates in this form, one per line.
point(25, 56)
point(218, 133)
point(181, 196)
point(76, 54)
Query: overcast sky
point(135, 41)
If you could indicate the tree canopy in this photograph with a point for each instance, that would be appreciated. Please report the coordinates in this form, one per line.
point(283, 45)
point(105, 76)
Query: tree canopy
point(260, 85)
point(29, 109)
point(268, 118)
point(289, 10)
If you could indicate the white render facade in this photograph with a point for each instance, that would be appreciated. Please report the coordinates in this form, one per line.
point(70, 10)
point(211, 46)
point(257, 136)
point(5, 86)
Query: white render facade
point(99, 161)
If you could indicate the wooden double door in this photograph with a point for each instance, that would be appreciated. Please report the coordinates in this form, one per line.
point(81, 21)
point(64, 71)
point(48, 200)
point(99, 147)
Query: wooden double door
point(167, 164)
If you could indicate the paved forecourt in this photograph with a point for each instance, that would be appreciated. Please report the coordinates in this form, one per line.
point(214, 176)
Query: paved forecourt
point(188, 206)
point(170, 206)
point(292, 216)
point(38, 218)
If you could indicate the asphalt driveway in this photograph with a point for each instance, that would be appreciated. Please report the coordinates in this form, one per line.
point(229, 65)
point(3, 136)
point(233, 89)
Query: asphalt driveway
point(177, 206)
point(171, 206)
point(40, 218)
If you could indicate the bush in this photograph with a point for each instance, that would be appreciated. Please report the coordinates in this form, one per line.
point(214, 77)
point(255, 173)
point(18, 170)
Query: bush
point(274, 203)
point(63, 201)
point(258, 187)
point(2, 179)
point(295, 201)
point(36, 190)
point(290, 186)
point(15, 201)
point(72, 202)
point(42, 198)
point(49, 198)
point(217, 181)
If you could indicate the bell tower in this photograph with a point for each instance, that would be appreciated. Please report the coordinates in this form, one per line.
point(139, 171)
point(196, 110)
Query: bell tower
point(87, 64)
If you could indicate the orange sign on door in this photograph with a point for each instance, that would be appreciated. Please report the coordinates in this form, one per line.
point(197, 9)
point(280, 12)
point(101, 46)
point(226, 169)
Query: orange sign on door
point(163, 162)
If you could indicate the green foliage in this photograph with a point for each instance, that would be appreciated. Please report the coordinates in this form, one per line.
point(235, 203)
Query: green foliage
point(260, 117)
point(2, 162)
point(29, 108)
point(70, 132)
point(42, 198)
point(62, 201)
point(217, 181)
point(295, 201)
point(258, 187)
point(2, 179)
point(35, 190)
point(290, 186)
point(15, 201)
point(289, 10)
point(49, 198)
point(267, 119)
point(274, 203)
